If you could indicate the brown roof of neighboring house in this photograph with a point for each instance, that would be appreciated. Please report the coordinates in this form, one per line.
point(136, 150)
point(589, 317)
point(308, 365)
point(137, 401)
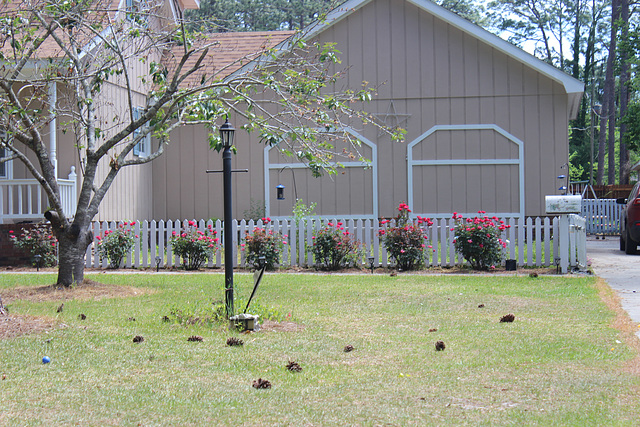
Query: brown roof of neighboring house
point(104, 11)
point(227, 53)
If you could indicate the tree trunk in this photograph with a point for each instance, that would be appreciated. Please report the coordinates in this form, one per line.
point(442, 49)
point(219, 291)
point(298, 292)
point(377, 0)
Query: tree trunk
point(608, 100)
point(623, 165)
point(73, 241)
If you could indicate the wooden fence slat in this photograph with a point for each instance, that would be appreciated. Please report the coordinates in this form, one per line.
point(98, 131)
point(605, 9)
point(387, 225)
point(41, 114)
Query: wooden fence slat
point(529, 242)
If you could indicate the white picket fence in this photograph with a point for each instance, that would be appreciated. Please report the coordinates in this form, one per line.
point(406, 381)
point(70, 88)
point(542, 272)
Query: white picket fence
point(533, 242)
point(602, 215)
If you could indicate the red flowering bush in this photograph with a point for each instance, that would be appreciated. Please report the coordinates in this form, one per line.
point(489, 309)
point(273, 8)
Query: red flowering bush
point(194, 246)
point(479, 240)
point(334, 247)
point(116, 244)
point(263, 243)
point(38, 240)
point(405, 241)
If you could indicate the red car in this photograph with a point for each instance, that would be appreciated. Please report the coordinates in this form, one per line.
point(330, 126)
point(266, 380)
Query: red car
point(630, 221)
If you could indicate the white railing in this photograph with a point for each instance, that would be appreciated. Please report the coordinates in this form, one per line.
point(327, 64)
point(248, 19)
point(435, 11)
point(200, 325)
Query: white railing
point(602, 215)
point(24, 199)
point(531, 242)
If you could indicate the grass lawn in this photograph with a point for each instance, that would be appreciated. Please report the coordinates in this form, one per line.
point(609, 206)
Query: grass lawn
point(561, 362)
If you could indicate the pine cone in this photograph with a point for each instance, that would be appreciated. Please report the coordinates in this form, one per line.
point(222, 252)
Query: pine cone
point(138, 339)
point(195, 338)
point(440, 345)
point(294, 367)
point(60, 308)
point(82, 316)
point(233, 341)
point(165, 319)
point(534, 274)
point(260, 383)
point(348, 348)
point(507, 318)
point(433, 330)
point(480, 305)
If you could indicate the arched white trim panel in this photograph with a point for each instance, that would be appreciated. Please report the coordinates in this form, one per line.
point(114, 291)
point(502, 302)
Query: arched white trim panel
point(519, 161)
point(374, 176)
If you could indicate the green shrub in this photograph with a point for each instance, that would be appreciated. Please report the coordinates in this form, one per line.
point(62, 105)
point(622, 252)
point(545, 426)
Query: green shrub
point(333, 247)
point(37, 241)
point(404, 240)
point(116, 244)
point(263, 243)
point(479, 241)
point(194, 246)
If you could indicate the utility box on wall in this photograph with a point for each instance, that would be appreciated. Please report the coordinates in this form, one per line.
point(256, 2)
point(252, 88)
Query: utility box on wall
point(559, 205)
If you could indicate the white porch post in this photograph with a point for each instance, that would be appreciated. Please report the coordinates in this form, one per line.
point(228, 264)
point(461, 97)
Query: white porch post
point(53, 99)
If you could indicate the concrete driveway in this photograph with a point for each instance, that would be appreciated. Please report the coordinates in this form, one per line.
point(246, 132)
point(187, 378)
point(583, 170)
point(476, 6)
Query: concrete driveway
point(621, 271)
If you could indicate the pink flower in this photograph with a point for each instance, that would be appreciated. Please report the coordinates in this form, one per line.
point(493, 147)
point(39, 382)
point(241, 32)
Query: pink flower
point(384, 221)
point(132, 223)
point(173, 233)
point(137, 236)
point(469, 241)
point(192, 223)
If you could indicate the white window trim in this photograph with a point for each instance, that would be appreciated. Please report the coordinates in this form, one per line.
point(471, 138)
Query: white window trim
point(138, 7)
point(8, 166)
point(268, 166)
point(411, 163)
point(143, 148)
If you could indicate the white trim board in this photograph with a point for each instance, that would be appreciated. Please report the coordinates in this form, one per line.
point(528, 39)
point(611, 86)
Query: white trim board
point(374, 176)
point(519, 161)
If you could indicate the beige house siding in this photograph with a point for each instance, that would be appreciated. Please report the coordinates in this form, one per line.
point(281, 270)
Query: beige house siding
point(430, 73)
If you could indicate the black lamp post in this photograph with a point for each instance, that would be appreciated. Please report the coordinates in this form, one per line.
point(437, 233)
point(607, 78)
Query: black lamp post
point(226, 137)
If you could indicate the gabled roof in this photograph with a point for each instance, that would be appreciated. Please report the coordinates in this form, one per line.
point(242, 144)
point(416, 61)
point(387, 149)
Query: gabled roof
point(573, 87)
point(227, 52)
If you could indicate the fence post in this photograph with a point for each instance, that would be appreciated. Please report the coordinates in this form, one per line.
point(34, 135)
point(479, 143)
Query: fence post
point(564, 243)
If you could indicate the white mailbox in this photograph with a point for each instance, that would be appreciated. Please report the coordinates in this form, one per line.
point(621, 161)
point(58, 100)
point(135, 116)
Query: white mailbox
point(563, 204)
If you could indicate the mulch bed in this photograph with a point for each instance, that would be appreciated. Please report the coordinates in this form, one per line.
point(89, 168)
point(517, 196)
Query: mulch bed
point(13, 325)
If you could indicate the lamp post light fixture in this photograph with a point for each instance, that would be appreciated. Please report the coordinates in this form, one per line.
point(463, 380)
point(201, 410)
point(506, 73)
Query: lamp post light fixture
point(371, 261)
point(158, 261)
point(227, 132)
point(38, 259)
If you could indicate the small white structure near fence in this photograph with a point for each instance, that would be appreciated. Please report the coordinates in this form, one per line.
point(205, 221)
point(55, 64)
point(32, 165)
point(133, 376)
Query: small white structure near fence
point(535, 242)
point(602, 216)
